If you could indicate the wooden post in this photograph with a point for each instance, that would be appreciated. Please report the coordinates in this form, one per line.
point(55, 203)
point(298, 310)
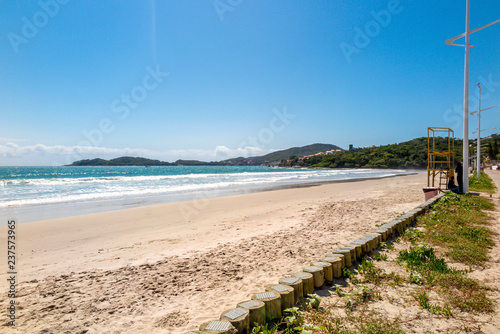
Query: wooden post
point(382, 231)
point(394, 228)
point(376, 239)
point(307, 282)
point(369, 243)
point(419, 211)
point(363, 244)
point(273, 304)
point(340, 256)
point(219, 327)
point(400, 226)
point(256, 310)
point(391, 229)
point(359, 250)
point(286, 292)
point(327, 271)
point(378, 236)
point(347, 256)
point(336, 265)
point(239, 318)
point(353, 252)
point(406, 221)
point(296, 284)
point(318, 275)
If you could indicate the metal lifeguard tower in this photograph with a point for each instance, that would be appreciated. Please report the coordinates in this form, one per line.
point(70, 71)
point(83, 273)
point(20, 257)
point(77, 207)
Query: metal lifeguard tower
point(440, 156)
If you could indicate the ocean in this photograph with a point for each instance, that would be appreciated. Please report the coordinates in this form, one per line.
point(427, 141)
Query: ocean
point(36, 193)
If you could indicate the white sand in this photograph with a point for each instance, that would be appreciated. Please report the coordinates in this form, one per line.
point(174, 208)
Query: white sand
point(168, 268)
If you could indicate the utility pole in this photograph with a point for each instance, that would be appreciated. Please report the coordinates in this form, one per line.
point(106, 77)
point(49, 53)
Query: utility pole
point(479, 134)
point(465, 150)
point(451, 41)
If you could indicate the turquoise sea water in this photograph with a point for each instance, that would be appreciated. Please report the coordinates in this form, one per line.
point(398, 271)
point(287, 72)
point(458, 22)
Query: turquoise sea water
point(51, 190)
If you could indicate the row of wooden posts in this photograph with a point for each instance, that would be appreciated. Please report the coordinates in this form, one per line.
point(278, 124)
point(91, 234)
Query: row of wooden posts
point(267, 306)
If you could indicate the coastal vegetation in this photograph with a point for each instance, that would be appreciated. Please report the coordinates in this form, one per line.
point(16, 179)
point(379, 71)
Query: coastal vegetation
point(418, 271)
point(132, 161)
point(492, 144)
point(252, 161)
point(482, 184)
point(411, 154)
point(283, 155)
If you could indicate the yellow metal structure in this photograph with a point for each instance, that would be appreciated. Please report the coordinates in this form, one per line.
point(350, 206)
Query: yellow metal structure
point(440, 162)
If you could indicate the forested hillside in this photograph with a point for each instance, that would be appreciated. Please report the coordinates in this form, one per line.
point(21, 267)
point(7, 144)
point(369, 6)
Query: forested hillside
point(410, 154)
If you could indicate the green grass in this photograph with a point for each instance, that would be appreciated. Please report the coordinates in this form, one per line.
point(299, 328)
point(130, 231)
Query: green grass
point(464, 293)
point(482, 184)
point(458, 290)
point(412, 234)
point(367, 322)
point(372, 274)
point(422, 257)
point(423, 300)
point(380, 257)
point(459, 225)
point(264, 329)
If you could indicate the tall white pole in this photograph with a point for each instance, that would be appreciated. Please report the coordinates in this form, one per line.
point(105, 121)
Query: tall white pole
point(465, 152)
point(479, 134)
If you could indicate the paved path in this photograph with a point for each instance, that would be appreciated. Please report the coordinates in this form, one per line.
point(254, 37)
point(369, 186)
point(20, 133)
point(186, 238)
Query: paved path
point(491, 274)
point(495, 176)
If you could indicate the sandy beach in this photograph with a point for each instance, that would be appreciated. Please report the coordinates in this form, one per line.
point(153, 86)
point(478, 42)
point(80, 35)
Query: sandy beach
point(168, 268)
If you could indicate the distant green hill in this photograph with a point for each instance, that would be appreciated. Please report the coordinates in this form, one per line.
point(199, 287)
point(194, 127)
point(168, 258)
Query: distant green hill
point(122, 161)
point(253, 161)
point(283, 154)
point(131, 161)
point(409, 154)
point(300, 151)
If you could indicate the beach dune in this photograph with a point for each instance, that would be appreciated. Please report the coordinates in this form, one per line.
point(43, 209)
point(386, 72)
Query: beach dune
point(168, 268)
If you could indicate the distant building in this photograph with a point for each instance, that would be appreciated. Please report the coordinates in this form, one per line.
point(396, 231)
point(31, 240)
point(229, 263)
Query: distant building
point(351, 146)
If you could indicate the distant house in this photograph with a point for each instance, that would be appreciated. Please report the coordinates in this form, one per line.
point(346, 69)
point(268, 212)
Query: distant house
point(321, 153)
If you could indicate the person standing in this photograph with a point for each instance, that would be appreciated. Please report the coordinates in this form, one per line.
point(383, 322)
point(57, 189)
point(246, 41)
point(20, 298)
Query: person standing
point(460, 179)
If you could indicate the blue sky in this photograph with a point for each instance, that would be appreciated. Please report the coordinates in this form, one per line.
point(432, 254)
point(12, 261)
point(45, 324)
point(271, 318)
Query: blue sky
point(211, 80)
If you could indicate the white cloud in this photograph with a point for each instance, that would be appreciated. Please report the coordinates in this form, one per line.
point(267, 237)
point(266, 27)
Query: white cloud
point(38, 154)
point(221, 152)
point(224, 152)
point(6, 140)
point(14, 150)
